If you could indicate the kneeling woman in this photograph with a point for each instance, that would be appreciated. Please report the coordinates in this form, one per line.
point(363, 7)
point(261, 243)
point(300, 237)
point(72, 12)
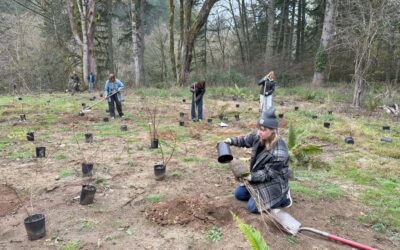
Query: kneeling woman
point(269, 170)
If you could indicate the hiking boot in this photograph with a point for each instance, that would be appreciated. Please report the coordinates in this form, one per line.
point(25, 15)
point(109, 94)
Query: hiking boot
point(112, 117)
point(200, 120)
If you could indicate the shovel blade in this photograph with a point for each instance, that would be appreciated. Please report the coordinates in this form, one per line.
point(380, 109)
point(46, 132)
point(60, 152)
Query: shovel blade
point(84, 111)
point(288, 222)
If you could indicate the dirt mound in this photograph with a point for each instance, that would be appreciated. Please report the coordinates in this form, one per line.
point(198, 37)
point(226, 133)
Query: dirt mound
point(9, 201)
point(184, 211)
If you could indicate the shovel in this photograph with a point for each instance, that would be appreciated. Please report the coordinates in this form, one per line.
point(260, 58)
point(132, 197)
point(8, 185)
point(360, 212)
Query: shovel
point(88, 109)
point(293, 226)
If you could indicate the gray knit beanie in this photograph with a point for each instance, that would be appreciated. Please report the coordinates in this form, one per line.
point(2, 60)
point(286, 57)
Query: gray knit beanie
point(268, 119)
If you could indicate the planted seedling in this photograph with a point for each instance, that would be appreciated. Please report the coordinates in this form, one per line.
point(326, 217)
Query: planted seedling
point(34, 223)
point(151, 113)
point(160, 168)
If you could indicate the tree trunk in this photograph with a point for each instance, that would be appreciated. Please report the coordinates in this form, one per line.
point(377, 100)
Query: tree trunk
point(236, 28)
point(271, 36)
point(90, 38)
point(110, 49)
point(137, 7)
point(85, 45)
point(171, 38)
point(190, 34)
point(326, 38)
point(180, 42)
point(390, 54)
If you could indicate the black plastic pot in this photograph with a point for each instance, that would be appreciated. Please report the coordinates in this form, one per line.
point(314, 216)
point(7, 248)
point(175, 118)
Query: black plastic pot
point(101, 94)
point(83, 104)
point(234, 98)
point(183, 100)
point(209, 120)
point(281, 103)
point(181, 123)
point(314, 116)
point(154, 143)
point(280, 115)
point(20, 98)
point(237, 117)
point(237, 105)
point(23, 117)
point(35, 226)
point(181, 114)
point(89, 137)
point(349, 140)
point(330, 112)
point(92, 98)
point(327, 124)
point(159, 172)
point(30, 136)
point(40, 152)
point(221, 117)
point(386, 139)
point(105, 119)
point(124, 128)
point(81, 114)
point(87, 169)
point(224, 152)
point(87, 194)
point(386, 127)
point(296, 108)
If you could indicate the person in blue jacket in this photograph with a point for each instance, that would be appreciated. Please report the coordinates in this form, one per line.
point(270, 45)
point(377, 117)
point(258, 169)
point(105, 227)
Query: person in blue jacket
point(267, 84)
point(112, 90)
point(198, 89)
point(91, 80)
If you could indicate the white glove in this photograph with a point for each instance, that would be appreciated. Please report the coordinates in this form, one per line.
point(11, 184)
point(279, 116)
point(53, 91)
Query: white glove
point(228, 141)
point(248, 177)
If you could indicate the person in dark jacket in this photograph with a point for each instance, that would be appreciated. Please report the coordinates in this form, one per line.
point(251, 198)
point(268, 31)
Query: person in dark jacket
point(269, 170)
point(267, 87)
point(198, 89)
point(76, 82)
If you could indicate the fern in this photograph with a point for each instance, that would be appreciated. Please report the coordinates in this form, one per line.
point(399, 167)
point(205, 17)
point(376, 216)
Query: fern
point(254, 236)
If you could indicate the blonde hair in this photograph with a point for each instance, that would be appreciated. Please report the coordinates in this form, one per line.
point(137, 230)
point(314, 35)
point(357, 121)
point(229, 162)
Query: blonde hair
point(271, 75)
point(272, 140)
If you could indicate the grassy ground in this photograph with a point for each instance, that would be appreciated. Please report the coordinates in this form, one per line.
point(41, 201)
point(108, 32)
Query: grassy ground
point(368, 170)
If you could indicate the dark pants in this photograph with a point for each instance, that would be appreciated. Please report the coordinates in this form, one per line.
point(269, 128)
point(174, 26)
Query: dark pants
point(114, 98)
point(242, 194)
point(199, 105)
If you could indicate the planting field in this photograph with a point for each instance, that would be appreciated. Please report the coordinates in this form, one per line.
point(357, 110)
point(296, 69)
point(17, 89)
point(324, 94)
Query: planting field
point(351, 190)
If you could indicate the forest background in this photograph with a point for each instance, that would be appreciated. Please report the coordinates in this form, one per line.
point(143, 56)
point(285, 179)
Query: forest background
point(164, 43)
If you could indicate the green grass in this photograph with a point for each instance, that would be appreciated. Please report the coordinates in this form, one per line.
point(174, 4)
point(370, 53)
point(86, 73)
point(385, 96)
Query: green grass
point(214, 234)
point(154, 197)
point(60, 156)
point(71, 245)
point(65, 172)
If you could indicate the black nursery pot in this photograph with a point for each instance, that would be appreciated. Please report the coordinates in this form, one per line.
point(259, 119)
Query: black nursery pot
point(224, 152)
point(349, 140)
point(101, 94)
point(237, 117)
point(30, 136)
point(40, 152)
point(221, 117)
point(159, 172)
point(154, 143)
point(20, 98)
point(181, 114)
point(183, 100)
point(330, 112)
point(105, 119)
point(87, 194)
point(124, 128)
point(386, 139)
point(23, 117)
point(327, 124)
point(237, 105)
point(234, 98)
point(314, 116)
point(209, 120)
point(181, 123)
point(89, 137)
point(83, 104)
point(87, 169)
point(280, 115)
point(35, 226)
point(296, 108)
point(386, 127)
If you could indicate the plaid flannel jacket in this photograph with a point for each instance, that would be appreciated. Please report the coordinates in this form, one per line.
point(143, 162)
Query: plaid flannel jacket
point(270, 171)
